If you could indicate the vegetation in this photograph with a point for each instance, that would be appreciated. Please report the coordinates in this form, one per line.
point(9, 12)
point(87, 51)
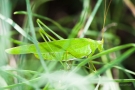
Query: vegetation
point(26, 24)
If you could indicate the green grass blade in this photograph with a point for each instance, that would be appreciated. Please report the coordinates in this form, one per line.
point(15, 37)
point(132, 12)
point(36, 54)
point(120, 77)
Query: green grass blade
point(116, 61)
point(23, 80)
point(45, 18)
point(91, 17)
point(17, 27)
point(82, 19)
point(105, 52)
point(33, 34)
point(125, 70)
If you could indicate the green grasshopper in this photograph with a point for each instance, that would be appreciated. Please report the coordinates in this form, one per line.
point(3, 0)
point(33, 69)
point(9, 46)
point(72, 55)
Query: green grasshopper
point(61, 50)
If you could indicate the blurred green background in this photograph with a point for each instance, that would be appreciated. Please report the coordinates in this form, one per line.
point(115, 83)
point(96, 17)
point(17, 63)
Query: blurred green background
point(120, 29)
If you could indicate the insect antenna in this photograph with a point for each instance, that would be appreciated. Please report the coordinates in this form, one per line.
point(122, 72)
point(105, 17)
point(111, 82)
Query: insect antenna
point(105, 15)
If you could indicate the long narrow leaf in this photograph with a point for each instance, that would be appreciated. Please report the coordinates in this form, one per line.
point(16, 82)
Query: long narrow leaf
point(116, 61)
point(105, 52)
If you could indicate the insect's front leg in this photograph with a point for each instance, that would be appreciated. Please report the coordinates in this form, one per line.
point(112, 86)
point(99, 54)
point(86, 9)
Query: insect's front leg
point(66, 58)
point(90, 64)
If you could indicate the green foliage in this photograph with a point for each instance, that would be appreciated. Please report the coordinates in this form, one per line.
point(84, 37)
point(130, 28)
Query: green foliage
point(67, 64)
point(59, 50)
